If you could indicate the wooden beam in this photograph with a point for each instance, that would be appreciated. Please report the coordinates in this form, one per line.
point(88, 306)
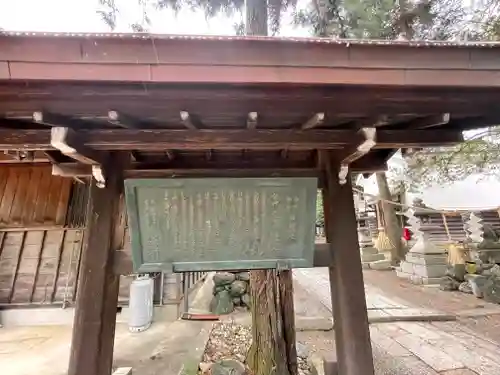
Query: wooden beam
point(21, 156)
point(252, 120)
point(164, 139)
point(356, 152)
point(56, 157)
point(122, 264)
point(314, 121)
point(54, 119)
point(170, 154)
point(68, 143)
point(346, 276)
point(97, 297)
point(122, 120)
point(423, 122)
point(187, 120)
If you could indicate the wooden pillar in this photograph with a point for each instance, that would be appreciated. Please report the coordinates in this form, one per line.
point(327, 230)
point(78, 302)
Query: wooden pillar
point(352, 335)
point(97, 298)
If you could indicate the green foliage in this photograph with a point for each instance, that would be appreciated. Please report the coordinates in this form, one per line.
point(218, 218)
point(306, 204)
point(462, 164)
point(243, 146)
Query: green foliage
point(479, 154)
point(388, 19)
point(320, 215)
point(109, 10)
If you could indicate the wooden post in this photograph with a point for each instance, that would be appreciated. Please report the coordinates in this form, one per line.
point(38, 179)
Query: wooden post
point(97, 298)
point(352, 335)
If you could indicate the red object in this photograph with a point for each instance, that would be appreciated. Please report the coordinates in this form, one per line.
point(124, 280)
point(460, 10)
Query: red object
point(188, 316)
point(406, 234)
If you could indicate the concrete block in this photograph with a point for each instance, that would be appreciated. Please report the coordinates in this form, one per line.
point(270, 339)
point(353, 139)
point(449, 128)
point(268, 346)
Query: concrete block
point(123, 371)
point(371, 257)
point(303, 323)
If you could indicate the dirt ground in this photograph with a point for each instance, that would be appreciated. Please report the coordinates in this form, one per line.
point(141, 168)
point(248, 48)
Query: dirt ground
point(432, 297)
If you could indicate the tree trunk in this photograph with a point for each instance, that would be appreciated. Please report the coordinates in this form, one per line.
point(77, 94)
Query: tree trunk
point(273, 350)
point(391, 225)
point(256, 17)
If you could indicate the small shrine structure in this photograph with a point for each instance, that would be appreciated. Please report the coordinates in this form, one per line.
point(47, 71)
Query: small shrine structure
point(107, 108)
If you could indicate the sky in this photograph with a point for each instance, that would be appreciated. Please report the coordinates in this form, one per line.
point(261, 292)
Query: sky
point(81, 16)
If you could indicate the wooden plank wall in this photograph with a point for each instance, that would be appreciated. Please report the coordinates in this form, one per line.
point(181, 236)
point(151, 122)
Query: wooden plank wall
point(39, 266)
point(42, 219)
point(31, 196)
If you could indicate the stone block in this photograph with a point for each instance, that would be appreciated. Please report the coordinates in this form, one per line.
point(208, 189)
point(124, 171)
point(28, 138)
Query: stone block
point(426, 259)
point(425, 280)
point(477, 283)
point(381, 265)
point(434, 270)
point(403, 275)
point(424, 246)
point(418, 280)
point(123, 371)
point(368, 250)
point(371, 257)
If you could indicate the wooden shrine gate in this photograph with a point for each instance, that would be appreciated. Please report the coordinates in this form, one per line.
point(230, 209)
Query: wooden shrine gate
point(107, 108)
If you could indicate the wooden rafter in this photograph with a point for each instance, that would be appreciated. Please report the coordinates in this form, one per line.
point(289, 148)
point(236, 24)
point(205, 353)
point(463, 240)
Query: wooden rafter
point(66, 141)
point(122, 120)
point(57, 120)
point(357, 151)
point(170, 154)
point(187, 120)
point(425, 122)
point(252, 120)
point(314, 121)
point(165, 139)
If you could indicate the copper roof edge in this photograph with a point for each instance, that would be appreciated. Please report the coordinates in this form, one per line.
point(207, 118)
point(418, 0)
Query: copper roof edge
point(228, 38)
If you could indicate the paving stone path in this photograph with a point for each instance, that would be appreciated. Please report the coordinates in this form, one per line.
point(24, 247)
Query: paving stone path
point(447, 348)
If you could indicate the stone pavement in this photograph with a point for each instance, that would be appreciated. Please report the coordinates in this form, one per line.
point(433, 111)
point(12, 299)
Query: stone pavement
point(163, 349)
point(416, 347)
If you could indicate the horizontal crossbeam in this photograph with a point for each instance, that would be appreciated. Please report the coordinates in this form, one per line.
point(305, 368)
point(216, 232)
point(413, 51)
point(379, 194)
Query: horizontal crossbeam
point(163, 139)
point(122, 264)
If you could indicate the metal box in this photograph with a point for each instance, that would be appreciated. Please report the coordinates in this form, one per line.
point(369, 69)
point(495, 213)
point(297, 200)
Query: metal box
point(205, 224)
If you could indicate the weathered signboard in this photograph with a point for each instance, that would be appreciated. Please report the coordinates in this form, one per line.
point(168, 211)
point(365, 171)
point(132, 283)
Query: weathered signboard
point(201, 224)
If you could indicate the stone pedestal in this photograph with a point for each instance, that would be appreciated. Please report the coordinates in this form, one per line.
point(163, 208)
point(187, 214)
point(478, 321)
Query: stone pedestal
point(424, 263)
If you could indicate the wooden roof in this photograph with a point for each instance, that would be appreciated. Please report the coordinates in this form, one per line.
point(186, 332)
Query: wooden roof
point(166, 95)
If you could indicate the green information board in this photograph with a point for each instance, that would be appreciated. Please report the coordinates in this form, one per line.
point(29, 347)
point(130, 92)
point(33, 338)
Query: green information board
point(205, 224)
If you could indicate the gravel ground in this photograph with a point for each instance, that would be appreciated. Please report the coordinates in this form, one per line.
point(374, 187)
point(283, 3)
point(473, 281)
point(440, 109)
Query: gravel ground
point(229, 340)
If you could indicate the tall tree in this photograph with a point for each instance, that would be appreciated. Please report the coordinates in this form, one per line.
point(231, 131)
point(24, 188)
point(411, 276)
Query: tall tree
point(375, 19)
point(273, 350)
